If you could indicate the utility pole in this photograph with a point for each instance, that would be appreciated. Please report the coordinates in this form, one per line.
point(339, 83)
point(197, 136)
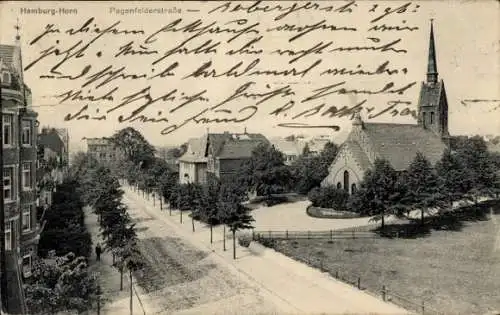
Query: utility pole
point(3, 268)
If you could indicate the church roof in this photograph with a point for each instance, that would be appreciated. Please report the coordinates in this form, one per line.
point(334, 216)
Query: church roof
point(430, 94)
point(359, 154)
point(399, 143)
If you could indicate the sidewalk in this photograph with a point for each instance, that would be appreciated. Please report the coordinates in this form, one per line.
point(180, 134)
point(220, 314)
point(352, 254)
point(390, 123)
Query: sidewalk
point(296, 287)
point(113, 300)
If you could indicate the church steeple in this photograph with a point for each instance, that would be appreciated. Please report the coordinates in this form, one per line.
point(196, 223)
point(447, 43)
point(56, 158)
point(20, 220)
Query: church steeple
point(433, 103)
point(432, 73)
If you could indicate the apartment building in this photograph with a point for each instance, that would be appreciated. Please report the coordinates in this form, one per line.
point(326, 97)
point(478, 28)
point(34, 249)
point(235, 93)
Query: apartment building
point(19, 142)
point(101, 149)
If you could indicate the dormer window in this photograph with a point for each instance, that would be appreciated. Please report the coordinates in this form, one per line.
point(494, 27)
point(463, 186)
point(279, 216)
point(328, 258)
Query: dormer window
point(6, 78)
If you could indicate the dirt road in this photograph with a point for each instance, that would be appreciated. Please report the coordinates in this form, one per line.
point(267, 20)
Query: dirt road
point(188, 275)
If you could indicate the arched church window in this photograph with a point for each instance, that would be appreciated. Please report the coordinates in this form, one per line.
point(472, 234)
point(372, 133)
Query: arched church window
point(353, 188)
point(346, 181)
point(339, 185)
point(432, 117)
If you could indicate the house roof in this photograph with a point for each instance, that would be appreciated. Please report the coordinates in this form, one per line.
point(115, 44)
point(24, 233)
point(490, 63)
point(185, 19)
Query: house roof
point(317, 145)
point(222, 145)
point(219, 141)
point(399, 143)
point(7, 53)
point(195, 151)
point(237, 149)
point(50, 138)
point(288, 147)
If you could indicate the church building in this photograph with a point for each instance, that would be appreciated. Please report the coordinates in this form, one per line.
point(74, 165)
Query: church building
point(396, 143)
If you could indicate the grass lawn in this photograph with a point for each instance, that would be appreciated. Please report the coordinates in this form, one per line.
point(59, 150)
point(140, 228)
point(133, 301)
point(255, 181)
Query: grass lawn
point(454, 270)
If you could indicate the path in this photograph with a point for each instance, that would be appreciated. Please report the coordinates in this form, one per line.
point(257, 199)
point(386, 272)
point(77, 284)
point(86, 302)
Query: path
point(290, 286)
point(293, 217)
point(115, 301)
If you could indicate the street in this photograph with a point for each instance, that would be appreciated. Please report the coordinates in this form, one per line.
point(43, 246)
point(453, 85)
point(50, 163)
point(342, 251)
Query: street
point(186, 274)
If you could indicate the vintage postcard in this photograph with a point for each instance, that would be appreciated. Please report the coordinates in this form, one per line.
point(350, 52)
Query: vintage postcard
point(250, 157)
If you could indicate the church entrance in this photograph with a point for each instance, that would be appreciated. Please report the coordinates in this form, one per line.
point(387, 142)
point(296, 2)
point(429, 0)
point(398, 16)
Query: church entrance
point(346, 181)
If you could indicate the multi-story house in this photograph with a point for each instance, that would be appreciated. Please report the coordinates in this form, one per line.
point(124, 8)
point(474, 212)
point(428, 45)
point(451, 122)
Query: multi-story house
point(193, 163)
point(217, 154)
point(291, 148)
point(52, 163)
point(227, 152)
point(19, 137)
point(101, 149)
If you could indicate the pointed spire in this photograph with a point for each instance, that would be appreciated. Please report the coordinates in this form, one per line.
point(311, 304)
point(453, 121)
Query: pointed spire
point(17, 27)
point(432, 73)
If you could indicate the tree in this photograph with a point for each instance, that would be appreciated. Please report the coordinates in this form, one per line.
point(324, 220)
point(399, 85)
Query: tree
point(131, 259)
point(233, 213)
point(479, 164)
point(452, 177)
point(306, 150)
point(266, 173)
point(155, 174)
point(197, 201)
point(60, 286)
point(308, 171)
point(329, 197)
point(376, 196)
point(168, 184)
point(134, 146)
point(422, 186)
point(65, 230)
point(210, 215)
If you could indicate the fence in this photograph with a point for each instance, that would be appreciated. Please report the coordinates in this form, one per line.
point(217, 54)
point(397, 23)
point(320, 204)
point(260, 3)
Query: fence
point(318, 262)
point(293, 235)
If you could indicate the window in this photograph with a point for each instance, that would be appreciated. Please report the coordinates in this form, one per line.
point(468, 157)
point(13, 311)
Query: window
point(7, 130)
point(26, 133)
point(432, 118)
point(6, 77)
point(8, 183)
point(27, 265)
point(26, 176)
point(27, 218)
point(346, 181)
point(8, 236)
point(353, 188)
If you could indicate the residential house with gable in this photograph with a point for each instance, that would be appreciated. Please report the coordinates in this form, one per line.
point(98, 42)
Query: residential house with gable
point(217, 154)
point(227, 152)
point(193, 163)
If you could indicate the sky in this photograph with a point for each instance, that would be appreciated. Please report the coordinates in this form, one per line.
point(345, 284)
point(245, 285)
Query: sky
point(467, 42)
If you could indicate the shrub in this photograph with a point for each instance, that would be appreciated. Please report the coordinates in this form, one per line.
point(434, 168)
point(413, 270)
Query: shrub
point(244, 240)
point(268, 242)
point(329, 197)
point(275, 200)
